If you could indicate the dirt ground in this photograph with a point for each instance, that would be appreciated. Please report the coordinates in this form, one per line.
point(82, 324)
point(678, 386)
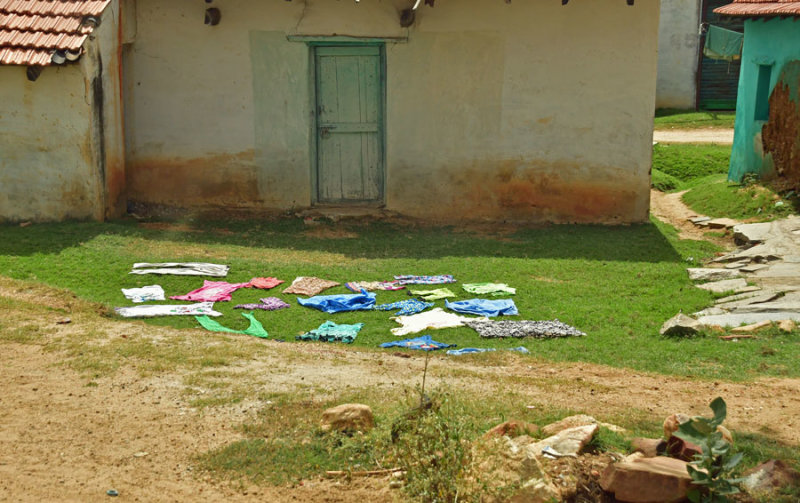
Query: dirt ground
point(702, 135)
point(64, 440)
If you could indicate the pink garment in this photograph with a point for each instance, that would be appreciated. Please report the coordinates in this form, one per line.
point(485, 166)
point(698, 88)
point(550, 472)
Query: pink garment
point(212, 291)
point(265, 283)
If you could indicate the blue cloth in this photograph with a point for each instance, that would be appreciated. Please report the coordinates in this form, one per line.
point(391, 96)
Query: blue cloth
point(424, 343)
point(406, 307)
point(466, 351)
point(484, 307)
point(424, 280)
point(339, 303)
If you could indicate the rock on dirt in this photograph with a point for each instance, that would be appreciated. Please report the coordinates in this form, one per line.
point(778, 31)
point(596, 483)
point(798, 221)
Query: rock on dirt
point(512, 428)
point(770, 476)
point(637, 479)
point(680, 325)
point(349, 417)
point(568, 442)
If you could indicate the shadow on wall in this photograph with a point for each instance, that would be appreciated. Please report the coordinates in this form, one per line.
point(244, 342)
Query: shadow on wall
point(376, 240)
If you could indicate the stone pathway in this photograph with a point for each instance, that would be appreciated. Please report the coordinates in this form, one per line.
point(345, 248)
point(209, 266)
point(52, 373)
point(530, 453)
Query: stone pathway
point(762, 276)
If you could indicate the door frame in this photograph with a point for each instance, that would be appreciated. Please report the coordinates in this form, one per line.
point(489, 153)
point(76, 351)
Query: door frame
point(313, 148)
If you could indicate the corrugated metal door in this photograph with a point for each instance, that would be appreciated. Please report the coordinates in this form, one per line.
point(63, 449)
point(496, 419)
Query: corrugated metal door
point(349, 134)
point(718, 80)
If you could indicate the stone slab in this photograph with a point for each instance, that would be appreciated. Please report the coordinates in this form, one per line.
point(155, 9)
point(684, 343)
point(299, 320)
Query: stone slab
point(752, 233)
point(750, 298)
point(722, 223)
point(728, 285)
point(737, 265)
point(736, 319)
point(753, 267)
point(699, 219)
point(782, 270)
point(711, 274)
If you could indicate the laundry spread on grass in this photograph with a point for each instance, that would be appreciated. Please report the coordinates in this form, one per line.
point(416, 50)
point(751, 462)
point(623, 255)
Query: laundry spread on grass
point(144, 294)
point(265, 283)
point(340, 303)
point(181, 268)
point(267, 304)
point(484, 307)
point(309, 286)
point(199, 309)
point(212, 291)
point(425, 280)
point(424, 343)
point(256, 329)
point(493, 289)
point(519, 329)
point(438, 294)
point(370, 286)
point(433, 319)
point(468, 351)
point(332, 332)
point(406, 307)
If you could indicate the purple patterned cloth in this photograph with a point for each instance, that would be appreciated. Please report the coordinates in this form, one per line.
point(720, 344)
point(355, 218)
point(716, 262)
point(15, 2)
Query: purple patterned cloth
point(424, 280)
point(267, 304)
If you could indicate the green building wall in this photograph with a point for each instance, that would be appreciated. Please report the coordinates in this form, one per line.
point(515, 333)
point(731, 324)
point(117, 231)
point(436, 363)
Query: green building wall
point(768, 46)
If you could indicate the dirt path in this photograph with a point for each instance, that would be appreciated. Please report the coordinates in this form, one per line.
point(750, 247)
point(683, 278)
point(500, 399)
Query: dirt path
point(670, 208)
point(61, 439)
point(704, 135)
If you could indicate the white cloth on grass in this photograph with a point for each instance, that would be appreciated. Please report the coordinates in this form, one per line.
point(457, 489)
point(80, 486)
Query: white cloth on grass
point(144, 294)
point(433, 319)
point(181, 268)
point(150, 311)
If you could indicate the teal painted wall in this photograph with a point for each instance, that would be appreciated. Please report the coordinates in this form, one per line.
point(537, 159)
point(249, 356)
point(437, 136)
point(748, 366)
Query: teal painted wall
point(773, 42)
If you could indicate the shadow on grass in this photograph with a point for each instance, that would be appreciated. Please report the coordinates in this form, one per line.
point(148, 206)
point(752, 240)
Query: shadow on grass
point(636, 243)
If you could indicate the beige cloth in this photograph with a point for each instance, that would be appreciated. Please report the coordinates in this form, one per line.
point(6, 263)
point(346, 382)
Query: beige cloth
point(433, 319)
point(309, 286)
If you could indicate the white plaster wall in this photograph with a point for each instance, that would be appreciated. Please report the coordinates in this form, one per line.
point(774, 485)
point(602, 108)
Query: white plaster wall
point(530, 110)
point(46, 168)
point(678, 50)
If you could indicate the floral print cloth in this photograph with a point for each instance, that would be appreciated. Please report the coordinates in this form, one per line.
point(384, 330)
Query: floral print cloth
point(150, 311)
point(309, 286)
point(267, 304)
point(493, 289)
point(425, 280)
point(331, 332)
point(357, 286)
point(406, 307)
point(212, 291)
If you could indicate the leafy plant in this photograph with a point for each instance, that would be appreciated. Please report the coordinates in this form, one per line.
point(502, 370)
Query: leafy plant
point(711, 470)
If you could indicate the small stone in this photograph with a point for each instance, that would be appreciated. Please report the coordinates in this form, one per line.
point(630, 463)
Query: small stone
point(64, 321)
point(680, 325)
point(641, 480)
point(711, 274)
point(512, 429)
point(787, 325)
point(650, 447)
point(699, 219)
point(348, 417)
point(753, 327)
point(140, 454)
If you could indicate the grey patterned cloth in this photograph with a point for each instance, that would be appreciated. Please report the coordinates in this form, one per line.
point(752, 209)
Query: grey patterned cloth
point(518, 329)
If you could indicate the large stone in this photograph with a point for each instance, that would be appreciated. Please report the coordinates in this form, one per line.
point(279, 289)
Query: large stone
point(751, 233)
point(711, 274)
point(770, 476)
point(751, 328)
point(646, 480)
point(680, 325)
point(512, 428)
point(727, 285)
point(650, 447)
point(722, 223)
point(569, 442)
point(501, 464)
point(736, 319)
point(787, 325)
point(568, 422)
point(349, 417)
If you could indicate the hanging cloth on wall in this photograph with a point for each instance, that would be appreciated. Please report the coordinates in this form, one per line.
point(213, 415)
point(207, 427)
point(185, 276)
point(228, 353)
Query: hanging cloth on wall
point(723, 44)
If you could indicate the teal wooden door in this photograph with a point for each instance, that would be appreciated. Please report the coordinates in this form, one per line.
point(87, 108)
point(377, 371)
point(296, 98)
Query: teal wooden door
point(349, 129)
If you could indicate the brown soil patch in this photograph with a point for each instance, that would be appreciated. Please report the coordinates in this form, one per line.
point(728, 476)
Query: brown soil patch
point(670, 208)
point(324, 232)
point(67, 440)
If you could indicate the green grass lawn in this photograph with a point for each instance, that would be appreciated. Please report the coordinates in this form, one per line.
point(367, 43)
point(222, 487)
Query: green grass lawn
point(682, 166)
point(617, 284)
point(671, 118)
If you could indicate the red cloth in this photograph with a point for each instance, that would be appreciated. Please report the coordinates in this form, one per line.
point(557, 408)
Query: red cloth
point(265, 283)
point(212, 291)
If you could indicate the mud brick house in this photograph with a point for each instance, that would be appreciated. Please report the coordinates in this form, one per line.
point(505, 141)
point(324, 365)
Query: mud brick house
point(537, 110)
point(767, 130)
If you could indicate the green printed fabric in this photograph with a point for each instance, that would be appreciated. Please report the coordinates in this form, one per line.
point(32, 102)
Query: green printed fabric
point(438, 294)
point(331, 332)
point(723, 44)
point(256, 329)
point(493, 289)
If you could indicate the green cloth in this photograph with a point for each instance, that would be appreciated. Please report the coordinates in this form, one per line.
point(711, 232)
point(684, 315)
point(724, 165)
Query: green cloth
point(255, 329)
point(723, 44)
point(331, 332)
point(438, 294)
point(493, 289)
